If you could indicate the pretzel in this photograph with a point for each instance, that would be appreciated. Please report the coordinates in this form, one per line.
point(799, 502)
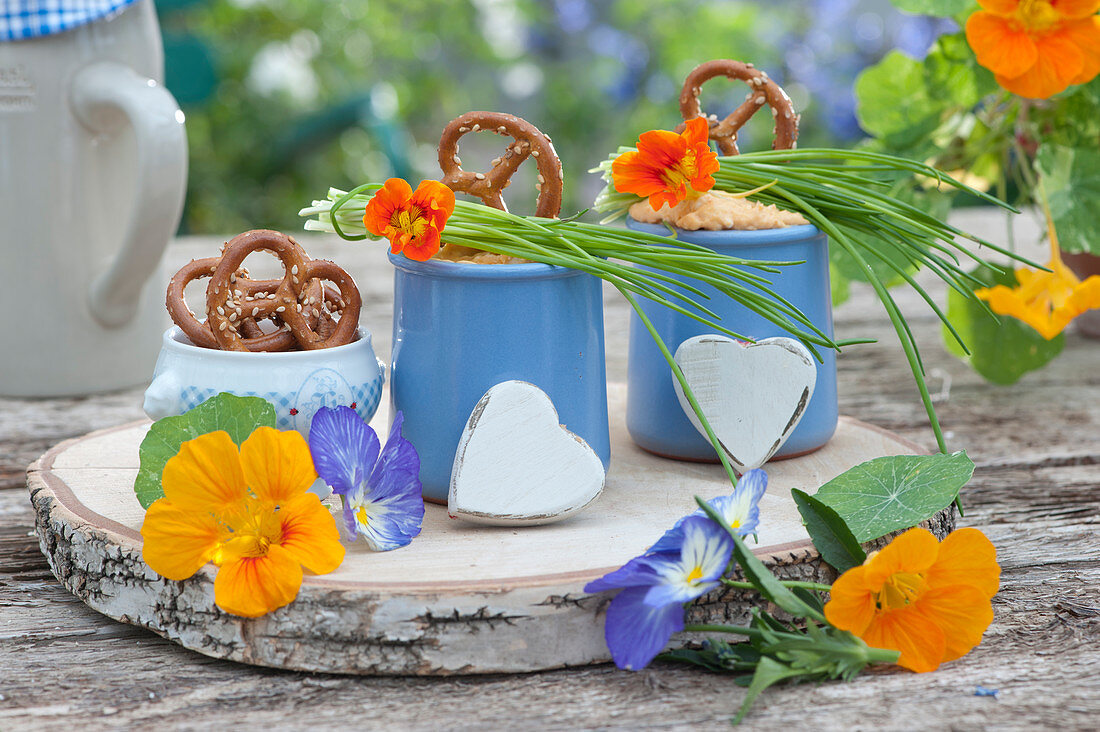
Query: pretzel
point(763, 91)
point(255, 339)
point(529, 141)
point(235, 304)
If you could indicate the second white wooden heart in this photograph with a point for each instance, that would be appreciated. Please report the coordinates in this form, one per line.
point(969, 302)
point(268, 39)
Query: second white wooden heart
point(752, 394)
point(515, 465)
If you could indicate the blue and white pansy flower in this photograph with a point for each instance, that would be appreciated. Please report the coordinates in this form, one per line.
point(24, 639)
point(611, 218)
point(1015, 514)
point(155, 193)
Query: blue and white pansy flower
point(740, 510)
point(379, 486)
point(650, 608)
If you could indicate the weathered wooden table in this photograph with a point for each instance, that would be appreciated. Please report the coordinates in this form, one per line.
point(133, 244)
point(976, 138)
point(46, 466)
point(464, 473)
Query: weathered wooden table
point(1036, 494)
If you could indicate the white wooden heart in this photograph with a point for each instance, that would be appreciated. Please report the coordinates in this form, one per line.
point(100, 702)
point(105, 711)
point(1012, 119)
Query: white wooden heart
point(752, 394)
point(515, 465)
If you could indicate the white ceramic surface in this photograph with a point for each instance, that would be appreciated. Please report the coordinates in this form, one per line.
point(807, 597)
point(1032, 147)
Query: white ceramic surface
point(93, 169)
point(298, 383)
point(517, 466)
point(752, 394)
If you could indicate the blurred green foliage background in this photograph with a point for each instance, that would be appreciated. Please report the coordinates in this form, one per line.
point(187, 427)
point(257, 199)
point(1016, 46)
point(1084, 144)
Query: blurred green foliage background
point(285, 98)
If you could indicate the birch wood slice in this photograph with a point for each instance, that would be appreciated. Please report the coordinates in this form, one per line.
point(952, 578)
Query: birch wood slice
point(462, 599)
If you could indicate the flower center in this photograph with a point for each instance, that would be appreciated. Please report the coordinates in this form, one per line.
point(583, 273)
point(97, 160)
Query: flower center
point(361, 515)
point(1037, 15)
point(900, 589)
point(683, 172)
point(695, 574)
point(409, 221)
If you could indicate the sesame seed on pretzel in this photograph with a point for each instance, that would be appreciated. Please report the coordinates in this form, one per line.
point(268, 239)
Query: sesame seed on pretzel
point(325, 336)
point(762, 90)
point(299, 301)
point(528, 141)
point(253, 291)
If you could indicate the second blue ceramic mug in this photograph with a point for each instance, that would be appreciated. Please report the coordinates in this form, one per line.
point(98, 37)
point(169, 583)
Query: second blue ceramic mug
point(654, 418)
point(461, 328)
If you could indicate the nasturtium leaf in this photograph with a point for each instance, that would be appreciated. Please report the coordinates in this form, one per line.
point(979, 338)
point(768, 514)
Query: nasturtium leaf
point(894, 103)
point(1002, 348)
point(1071, 178)
point(914, 107)
point(892, 493)
point(937, 8)
point(238, 416)
point(830, 535)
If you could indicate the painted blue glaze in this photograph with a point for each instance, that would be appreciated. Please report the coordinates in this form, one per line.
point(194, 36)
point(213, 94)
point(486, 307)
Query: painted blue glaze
point(653, 414)
point(462, 328)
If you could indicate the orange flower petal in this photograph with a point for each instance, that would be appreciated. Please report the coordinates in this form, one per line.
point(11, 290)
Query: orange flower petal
point(633, 173)
point(253, 586)
point(1076, 8)
point(966, 557)
point(919, 640)
point(1000, 7)
point(431, 195)
point(696, 131)
point(1058, 63)
point(277, 465)
point(423, 247)
point(310, 535)
point(178, 542)
point(1001, 47)
point(961, 612)
point(851, 604)
point(393, 194)
point(914, 551)
point(205, 475)
point(1085, 33)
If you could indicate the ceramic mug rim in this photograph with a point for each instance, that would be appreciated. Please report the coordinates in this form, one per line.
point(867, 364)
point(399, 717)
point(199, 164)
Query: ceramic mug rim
point(731, 237)
point(442, 269)
point(174, 340)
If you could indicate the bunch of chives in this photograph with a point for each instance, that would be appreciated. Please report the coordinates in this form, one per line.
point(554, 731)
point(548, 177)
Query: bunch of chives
point(635, 263)
point(848, 195)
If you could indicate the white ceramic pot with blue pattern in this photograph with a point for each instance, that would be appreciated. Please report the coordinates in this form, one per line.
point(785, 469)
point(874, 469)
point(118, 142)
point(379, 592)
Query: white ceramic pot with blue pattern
point(298, 383)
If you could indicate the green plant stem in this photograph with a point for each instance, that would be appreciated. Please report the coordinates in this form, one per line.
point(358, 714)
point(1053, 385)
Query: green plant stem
point(872, 654)
point(678, 374)
point(816, 586)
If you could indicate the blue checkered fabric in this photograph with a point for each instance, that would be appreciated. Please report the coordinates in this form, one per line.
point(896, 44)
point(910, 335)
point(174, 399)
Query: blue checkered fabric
point(22, 19)
point(295, 410)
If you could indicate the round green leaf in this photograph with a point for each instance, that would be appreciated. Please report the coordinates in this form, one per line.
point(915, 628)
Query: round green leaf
point(893, 493)
point(238, 416)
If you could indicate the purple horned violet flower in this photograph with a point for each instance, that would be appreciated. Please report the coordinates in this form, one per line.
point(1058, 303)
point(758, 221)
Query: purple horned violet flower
point(740, 510)
point(378, 486)
point(650, 608)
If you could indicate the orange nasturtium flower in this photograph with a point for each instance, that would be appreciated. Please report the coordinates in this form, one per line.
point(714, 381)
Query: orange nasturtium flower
point(668, 167)
point(247, 511)
point(411, 220)
point(926, 599)
point(1037, 48)
point(1047, 301)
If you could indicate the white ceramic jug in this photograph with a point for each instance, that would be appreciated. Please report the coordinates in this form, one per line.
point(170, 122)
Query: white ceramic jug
point(93, 170)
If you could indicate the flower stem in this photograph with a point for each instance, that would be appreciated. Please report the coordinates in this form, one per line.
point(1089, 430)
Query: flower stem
point(734, 629)
point(738, 584)
point(882, 655)
point(679, 375)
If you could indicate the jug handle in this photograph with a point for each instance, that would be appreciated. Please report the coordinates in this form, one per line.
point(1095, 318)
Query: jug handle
point(104, 95)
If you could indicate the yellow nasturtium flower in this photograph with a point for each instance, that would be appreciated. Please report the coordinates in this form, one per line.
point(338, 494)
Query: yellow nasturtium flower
point(247, 511)
point(1047, 301)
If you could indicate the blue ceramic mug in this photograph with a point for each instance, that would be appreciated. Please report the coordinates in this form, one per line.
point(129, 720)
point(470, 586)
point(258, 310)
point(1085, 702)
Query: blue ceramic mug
point(654, 418)
point(461, 328)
